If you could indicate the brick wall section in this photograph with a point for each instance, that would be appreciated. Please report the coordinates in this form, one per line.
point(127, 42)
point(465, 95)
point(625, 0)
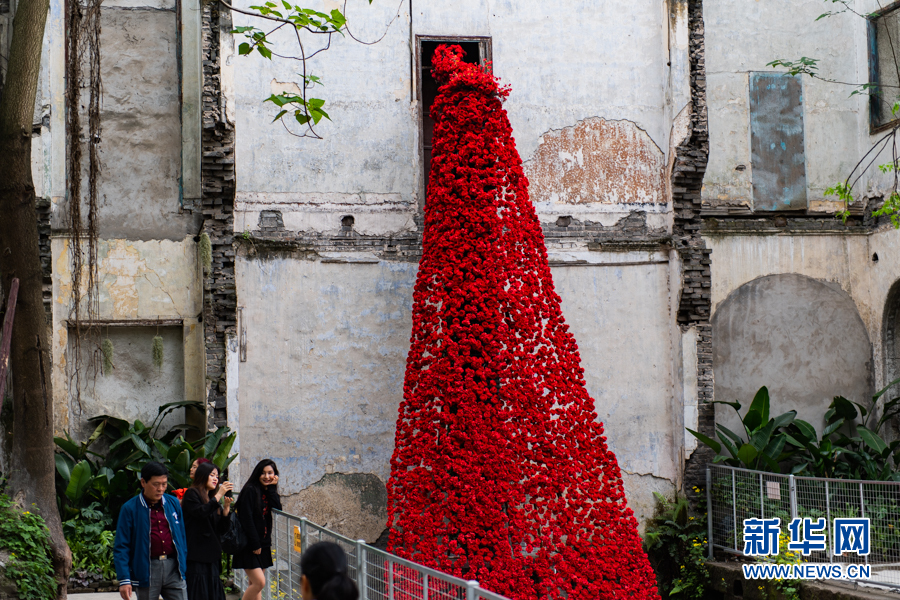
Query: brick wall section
point(43, 212)
point(217, 176)
point(695, 303)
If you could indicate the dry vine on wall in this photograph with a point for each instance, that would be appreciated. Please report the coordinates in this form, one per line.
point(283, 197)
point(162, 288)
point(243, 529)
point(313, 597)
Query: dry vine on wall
point(82, 66)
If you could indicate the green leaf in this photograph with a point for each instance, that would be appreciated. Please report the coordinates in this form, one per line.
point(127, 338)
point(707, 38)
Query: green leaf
point(843, 408)
point(806, 430)
point(832, 428)
point(141, 445)
point(242, 29)
point(79, 481)
point(64, 466)
point(724, 430)
point(244, 49)
point(871, 439)
point(301, 117)
point(69, 446)
point(785, 419)
point(221, 454)
point(760, 405)
point(265, 52)
point(212, 440)
point(716, 446)
point(747, 454)
point(279, 115)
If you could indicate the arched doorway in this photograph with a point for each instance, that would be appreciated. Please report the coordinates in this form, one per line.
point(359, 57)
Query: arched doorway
point(800, 337)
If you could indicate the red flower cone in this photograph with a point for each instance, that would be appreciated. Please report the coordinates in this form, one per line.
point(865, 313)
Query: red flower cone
point(501, 472)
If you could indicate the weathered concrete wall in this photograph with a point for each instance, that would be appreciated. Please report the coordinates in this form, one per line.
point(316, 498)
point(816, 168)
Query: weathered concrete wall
point(801, 338)
point(135, 388)
point(139, 195)
point(609, 138)
point(840, 260)
point(326, 346)
point(742, 38)
point(138, 281)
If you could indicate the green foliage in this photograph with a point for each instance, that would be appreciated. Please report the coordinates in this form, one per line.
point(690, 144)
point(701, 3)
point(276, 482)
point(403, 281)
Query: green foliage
point(789, 588)
point(85, 476)
point(851, 446)
point(25, 536)
point(891, 206)
point(157, 352)
point(90, 536)
point(762, 447)
point(675, 541)
point(205, 251)
point(106, 349)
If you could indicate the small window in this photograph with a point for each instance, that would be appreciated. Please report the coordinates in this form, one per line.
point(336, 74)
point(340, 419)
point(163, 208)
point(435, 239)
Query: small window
point(478, 51)
point(884, 66)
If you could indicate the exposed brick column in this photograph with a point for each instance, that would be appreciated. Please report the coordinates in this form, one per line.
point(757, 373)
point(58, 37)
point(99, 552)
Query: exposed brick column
point(217, 176)
point(694, 306)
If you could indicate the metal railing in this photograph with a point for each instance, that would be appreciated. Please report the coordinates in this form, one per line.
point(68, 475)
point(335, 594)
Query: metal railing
point(378, 574)
point(735, 494)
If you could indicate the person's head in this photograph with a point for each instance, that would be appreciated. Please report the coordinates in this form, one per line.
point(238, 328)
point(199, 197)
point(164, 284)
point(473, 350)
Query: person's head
point(154, 481)
point(206, 479)
point(264, 472)
point(197, 462)
point(263, 475)
point(324, 574)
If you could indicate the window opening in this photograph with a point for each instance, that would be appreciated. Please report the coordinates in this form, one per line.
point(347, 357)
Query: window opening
point(884, 67)
point(478, 51)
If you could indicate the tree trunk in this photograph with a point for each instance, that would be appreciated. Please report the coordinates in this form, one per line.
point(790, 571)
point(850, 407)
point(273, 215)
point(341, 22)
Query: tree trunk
point(32, 472)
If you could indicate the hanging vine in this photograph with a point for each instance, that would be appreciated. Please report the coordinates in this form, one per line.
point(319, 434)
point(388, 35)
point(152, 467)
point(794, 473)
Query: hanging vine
point(82, 63)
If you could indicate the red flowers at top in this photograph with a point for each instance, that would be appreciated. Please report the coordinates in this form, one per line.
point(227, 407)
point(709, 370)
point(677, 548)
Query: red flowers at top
point(501, 472)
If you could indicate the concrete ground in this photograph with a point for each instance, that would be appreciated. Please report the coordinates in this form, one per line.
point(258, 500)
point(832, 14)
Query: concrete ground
point(115, 596)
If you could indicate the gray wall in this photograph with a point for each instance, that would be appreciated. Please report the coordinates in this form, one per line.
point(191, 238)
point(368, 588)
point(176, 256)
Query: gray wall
point(326, 357)
point(800, 337)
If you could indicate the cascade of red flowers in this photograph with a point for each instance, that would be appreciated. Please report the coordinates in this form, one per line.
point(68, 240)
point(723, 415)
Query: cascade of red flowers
point(501, 472)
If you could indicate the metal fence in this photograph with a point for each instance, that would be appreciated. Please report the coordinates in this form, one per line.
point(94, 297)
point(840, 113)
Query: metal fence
point(736, 494)
point(378, 574)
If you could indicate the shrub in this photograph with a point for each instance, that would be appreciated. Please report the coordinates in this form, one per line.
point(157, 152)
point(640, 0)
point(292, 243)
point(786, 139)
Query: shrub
point(25, 536)
point(675, 540)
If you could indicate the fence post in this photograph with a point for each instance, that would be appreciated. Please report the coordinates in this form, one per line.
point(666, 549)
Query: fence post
point(390, 586)
point(709, 513)
point(470, 589)
point(862, 510)
point(303, 532)
point(793, 492)
point(361, 570)
point(830, 532)
point(290, 555)
point(277, 553)
point(425, 586)
point(734, 509)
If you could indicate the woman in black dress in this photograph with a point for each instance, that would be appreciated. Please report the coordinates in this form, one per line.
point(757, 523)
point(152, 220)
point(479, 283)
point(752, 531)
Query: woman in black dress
point(204, 520)
point(258, 498)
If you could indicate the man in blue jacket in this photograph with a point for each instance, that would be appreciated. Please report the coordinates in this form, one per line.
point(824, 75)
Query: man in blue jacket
point(150, 552)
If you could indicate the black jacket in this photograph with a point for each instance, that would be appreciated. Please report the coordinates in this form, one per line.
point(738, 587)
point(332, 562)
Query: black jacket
point(250, 514)
point(203, 525)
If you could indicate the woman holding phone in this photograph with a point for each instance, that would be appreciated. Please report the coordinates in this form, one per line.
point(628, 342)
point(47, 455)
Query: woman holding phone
point(205, 507)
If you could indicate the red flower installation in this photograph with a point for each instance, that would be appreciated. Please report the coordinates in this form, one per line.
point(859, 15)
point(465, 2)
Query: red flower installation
point(501, 472)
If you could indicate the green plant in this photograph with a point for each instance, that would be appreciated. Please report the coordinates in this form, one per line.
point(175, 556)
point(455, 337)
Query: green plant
point(106, 350)
point(90, 537)
point(763, 448)
point(849, 449)
point(86, 476)
point(675, 541)
point(205, 251)
point(789, 588)
point(157, 352)
point(25, 536)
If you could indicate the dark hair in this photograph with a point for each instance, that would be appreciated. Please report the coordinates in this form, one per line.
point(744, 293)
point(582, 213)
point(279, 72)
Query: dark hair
point(153, 469)
point(325, 566)
point(201, 461)
point(201, 477)
point(253, 483)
